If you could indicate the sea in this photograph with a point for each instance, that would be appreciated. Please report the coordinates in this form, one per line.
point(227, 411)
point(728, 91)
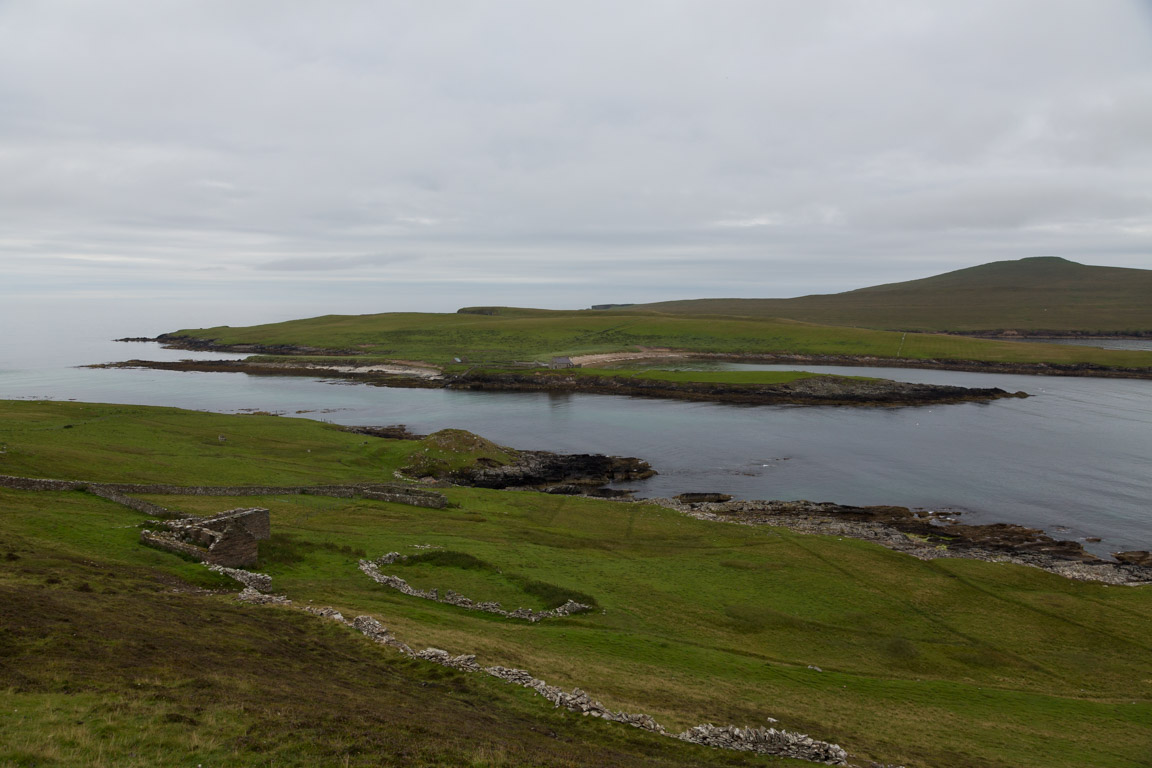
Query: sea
point(1074, 458)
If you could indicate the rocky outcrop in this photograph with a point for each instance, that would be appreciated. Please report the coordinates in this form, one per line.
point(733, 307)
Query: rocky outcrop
point(543, 468)
point(703, 498)
point(1141, 558)
point(372, 570)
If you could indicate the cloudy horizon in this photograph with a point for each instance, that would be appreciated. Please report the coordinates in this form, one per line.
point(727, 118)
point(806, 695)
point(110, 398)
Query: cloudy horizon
point(426, 155)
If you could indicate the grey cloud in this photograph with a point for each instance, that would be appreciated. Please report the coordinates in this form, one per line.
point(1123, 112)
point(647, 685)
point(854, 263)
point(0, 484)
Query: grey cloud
point(326, 263)
point(522, 141)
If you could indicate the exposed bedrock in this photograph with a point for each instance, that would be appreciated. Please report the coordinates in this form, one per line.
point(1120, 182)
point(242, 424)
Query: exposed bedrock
point(543, 468)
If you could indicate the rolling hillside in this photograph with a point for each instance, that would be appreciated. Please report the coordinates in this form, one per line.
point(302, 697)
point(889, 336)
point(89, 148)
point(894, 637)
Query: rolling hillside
point(1029, 295)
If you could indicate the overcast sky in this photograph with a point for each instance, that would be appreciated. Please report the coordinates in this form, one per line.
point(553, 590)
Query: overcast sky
point(378, 156)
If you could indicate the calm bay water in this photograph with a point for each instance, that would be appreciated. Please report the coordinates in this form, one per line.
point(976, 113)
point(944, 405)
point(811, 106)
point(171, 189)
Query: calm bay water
point(1075, 459)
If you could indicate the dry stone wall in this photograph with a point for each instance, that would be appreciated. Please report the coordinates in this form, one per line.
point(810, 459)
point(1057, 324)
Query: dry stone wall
point(399, 494)
point(139, 505)
point(767, 741)
point(372, 570)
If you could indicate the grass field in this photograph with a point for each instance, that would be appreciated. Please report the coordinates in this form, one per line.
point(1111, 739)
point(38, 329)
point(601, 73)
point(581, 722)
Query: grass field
point(524, 335)
point(942, 663)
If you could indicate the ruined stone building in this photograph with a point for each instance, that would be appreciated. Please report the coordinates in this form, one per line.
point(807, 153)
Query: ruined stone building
point(228, 538)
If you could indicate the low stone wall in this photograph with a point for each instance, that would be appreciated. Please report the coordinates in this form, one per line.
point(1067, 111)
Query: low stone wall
point(766, 741)
point(38, 484)
point(139, 505)
point(398, 494)
point(372, 570)
point(415, 497)
point(261, 582)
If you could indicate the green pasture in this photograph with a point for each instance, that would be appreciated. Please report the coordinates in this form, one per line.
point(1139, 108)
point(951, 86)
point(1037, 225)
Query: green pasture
point(942, 663)
point(141, 444)
point(113, 655)
point(511, 335)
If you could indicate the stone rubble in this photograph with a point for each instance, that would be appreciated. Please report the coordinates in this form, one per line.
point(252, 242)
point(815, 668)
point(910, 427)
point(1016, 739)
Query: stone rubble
point(326, 613)
point(372, 570)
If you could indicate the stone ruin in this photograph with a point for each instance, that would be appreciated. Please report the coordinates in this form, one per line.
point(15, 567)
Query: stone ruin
point(227, 539)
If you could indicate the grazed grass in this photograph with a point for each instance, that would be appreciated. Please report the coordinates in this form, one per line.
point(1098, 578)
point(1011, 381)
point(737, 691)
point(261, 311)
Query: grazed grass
point(942, 663)
point(526, 335)
point(493, 582)
point(135, 674)
point(137, 444)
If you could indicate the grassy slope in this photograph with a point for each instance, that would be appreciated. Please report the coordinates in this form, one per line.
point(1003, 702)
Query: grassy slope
point(1030, 294)
point(110, 658)
point(139, 444)
point(515, 334)
point(946, 663)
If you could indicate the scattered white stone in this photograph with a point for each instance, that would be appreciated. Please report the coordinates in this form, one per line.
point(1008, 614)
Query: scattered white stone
point(250, 595)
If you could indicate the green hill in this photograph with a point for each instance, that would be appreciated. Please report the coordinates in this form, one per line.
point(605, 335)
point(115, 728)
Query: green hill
point(1029, 295)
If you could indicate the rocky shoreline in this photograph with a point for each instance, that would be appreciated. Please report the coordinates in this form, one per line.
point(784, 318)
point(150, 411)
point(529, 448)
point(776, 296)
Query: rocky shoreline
point(809, 391)
point(928, 536)
point(969, 366)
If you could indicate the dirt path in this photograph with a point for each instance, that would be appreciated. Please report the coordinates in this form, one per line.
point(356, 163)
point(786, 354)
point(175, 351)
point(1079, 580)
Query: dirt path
point(618, 357)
